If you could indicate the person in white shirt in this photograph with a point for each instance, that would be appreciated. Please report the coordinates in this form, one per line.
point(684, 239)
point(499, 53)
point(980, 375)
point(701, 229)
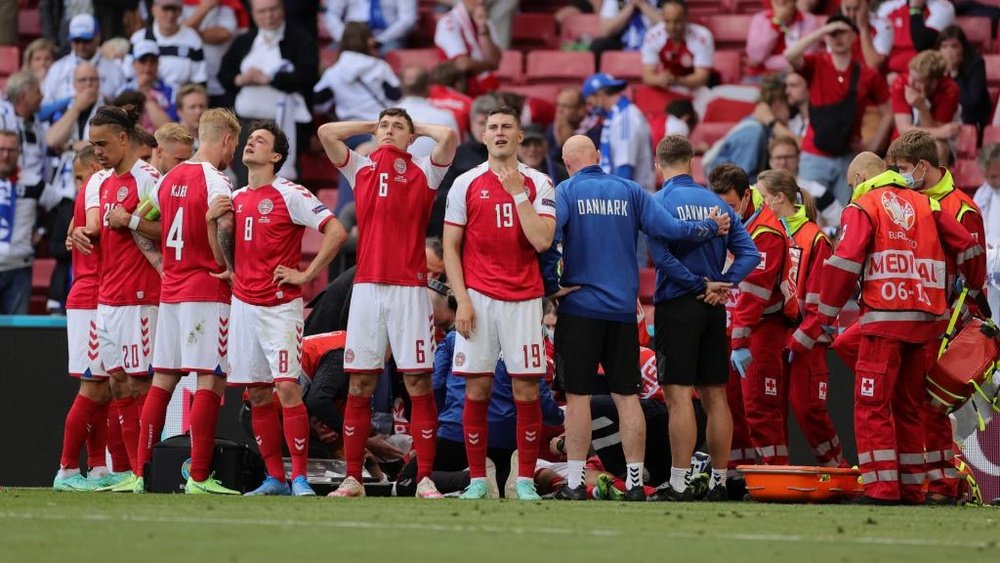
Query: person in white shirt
point(465, 35)
point(182, 54)
point(415, 86)
point(987, 197)
point(84, 40)
point(390, 21)
point(217, 26)
point(677, 54)
point(360, 84)
point(18, 114)
point(626, 145)
point(624, 24)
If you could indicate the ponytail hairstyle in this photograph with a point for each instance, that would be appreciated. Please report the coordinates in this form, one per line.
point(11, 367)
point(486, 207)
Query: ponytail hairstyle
point(782, 182)
point(124, 118)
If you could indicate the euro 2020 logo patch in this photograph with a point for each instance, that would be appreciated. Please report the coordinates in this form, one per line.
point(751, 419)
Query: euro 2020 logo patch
point(399, 166)
point(899, 210)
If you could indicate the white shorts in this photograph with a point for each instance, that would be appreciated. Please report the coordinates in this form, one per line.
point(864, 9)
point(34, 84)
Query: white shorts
point(266, 343)
point(396, 316)
point(126, 336)
point(192, 336)
point(84, 344)
point(509, 330)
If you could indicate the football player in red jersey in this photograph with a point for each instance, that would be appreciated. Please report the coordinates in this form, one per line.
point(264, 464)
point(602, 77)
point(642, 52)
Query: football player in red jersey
point(260, 233)
point(500, 215)
point(192, 329)
point(390, 309)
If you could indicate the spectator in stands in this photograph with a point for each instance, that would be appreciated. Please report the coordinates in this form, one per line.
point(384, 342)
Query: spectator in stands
point(68, 129)
point(415, 87)
point(875, 34)
point(445, 94)
point(772, 31)
point(783, 154)
point(745, 145)
point(158, 106)
point(534, 152)
point(113, 16)
point(465, 35)
point(968, 69)
point(681, 119)
point(39, 57)
point(192, 101)
point(216, 23)
point(840, 89)
point(389, 20)
point(117, 49)
point(360, 84)
point(470, 154)
point(571, 119)
point(269, 73)
point(916, 24)
point(927, 99)
point(988, 199)
point(84, 39)
point(626, 143)
point(18, 113)
point(624, 24)
point(182, 53)
point(797, 94)
point(174, 145)
point(144, 143)
point(18, 212)
point(677, 54)
point(577, 7)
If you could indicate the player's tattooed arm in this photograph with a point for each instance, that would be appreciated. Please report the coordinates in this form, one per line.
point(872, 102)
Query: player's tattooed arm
point(222, 231)
point(151, 251)
point(226, 237)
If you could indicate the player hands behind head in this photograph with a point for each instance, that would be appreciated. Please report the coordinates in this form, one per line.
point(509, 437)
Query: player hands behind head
point(500, 215)
point(394, 193)
point(193, 300)
point(259, 236)
point(129, 290)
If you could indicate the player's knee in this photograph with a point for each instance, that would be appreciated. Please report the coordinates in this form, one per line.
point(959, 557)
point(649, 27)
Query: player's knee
point(260, 396)
point(418, 384)
point(362, 384)
point(97, 391)
point(289, 393)
point(525, 388)
point(478, 388)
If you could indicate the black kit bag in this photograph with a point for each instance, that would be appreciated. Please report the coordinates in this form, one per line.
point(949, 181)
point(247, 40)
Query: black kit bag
point(233, 464)
point(833, 123)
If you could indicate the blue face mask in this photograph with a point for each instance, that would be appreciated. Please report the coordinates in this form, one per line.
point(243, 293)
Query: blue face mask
point(908, 176)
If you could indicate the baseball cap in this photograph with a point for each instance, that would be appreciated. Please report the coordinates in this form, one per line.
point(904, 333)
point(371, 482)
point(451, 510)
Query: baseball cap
point(145, 48)
point(600, 81)
point(534, 132)
point(82, 27)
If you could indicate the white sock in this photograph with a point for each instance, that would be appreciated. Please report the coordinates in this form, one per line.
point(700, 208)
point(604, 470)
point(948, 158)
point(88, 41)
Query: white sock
point(575, 472)
point(633, 475)
point(67, 473)
point(718, 477)
point(678, 479)
point(98, 472)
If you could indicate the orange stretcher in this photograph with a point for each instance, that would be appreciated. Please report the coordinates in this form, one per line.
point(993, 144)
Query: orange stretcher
point(800, 483)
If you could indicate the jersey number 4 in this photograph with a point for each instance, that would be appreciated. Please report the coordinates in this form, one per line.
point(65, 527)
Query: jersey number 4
point(175, 236)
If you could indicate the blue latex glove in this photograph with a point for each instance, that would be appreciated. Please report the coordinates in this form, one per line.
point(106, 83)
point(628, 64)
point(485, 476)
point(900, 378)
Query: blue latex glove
point(740, 358)
point(958, 284)
point(789, 356)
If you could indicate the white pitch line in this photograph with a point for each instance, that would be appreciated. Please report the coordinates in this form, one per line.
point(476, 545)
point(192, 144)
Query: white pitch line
point(452, 528)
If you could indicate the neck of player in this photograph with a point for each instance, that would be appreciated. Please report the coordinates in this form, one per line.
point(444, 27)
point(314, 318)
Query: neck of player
point(125, 164)
point(210, 154)
point(498, 163)
point(261, 176)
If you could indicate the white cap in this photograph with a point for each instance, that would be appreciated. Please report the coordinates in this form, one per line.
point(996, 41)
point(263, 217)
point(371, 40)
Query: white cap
point(82, 27)
point(145, 47)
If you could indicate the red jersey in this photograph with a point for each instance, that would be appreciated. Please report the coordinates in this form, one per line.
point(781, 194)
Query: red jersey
point(183, 198)
point(497, 259)
point(270, 221)
point(454, 101)
point(829, 85)
point(315, 346)
point(679, 58)
point(943, 100)
point(86, 278)
point(650, 382)
point(938, 14)
point(127, 278)
point(760, 294)
point(393, 195)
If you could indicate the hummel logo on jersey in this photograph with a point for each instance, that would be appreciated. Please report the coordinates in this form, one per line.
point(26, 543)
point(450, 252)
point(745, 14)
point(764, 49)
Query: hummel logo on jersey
point(474, 438)
point(427, 434)
point(300, 444)
point(530, 435)
point(484, 194)
point(258, 440)
point(349, 430)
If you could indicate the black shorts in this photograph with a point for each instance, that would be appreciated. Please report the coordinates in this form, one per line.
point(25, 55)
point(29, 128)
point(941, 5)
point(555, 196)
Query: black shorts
point(691, 344)
point(582, 344)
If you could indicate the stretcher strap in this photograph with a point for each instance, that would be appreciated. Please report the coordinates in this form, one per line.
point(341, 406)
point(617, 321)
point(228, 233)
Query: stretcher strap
point(955, 314)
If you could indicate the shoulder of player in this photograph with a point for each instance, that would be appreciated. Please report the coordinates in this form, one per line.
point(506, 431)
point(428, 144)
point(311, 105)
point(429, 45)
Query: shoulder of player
point(463, 181)
point(142, 170)
point(893, 5)
point(289, 189)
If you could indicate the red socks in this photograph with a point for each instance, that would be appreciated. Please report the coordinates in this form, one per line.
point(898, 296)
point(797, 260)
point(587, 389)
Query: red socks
point(267, 432)
point(116, 444)
point(423, 428)
point(75, 430)
point(474, 424)
point(97, 440)
point(296, 424)
point(128, 416)
point(204, 415)
point(357, 427)
point(529, 426)
point(151, 421)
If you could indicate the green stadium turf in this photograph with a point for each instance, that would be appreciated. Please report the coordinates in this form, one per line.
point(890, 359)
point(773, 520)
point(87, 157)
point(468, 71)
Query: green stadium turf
point(39, 525)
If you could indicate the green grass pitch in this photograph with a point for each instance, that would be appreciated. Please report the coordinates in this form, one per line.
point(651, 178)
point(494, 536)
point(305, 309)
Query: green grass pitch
point(42, 526)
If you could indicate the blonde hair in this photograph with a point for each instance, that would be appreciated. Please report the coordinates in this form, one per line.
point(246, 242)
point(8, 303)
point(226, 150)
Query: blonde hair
point(216, 123)
point(929, 65)
point(173, 133)
point(782, 182)
point(37, 45)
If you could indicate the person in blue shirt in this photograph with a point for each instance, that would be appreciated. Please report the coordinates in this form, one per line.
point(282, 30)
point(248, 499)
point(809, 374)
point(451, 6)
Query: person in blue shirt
point(692, 281)
point(599, 217)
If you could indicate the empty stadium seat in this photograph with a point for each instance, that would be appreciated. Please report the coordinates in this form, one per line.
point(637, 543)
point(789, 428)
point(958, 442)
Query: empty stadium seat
point(29, 24)
point(624, 65)
point(647, 284)
point(710, 132)
point(978, 30)
point(580, 27)
point(992, 70)
point(511, 69)
point(316, 171)
point(991, 134)
point(561, 67)
point(729, 65)
point(967, 175)
point(653, 100)
point(540, 91)
point(726, 110)
point(534, 31)
point(965, 144)
point(41, 274)
point(729, 30)
point(10, 59)
point(427, 58)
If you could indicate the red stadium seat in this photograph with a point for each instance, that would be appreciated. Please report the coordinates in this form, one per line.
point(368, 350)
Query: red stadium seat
point(511, 69)
point(725, 110)
point(560, 67)
point(657, 127)
point(729, 65)
point(580, 26)
point(329, 197)
point(991, 134)
point(534, 31)
point(992, 70)
point(729, 30)
point(653, 100)
point(540, 91)
point(427, 58)
point(316, 171)
point(10, 59)
point(327, 57)
point(29, 24)
point(624, 65)
point(41, 274)
point(698, 171)
point(710, 132)
point(965, 144)
point(978, 30)
point(967, 175)
point(647, 284)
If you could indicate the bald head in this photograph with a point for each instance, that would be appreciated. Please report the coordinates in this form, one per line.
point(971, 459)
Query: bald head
point(579, 152)
point(864, 167)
